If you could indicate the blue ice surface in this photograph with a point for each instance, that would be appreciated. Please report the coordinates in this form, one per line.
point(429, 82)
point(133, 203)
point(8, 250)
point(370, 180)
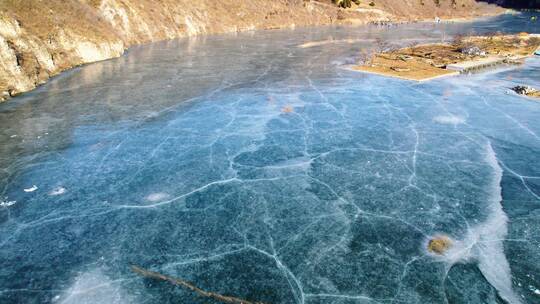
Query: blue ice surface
point(257, 169)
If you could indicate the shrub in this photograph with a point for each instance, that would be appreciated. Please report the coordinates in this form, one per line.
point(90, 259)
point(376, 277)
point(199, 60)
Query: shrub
point(343, 3)
point(458, 39)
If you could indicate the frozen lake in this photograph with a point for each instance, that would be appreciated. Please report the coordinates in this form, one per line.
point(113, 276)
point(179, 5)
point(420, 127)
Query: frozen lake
point(257, 169)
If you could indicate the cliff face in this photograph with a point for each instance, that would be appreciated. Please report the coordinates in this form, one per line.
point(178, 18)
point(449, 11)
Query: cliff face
point(40, 38)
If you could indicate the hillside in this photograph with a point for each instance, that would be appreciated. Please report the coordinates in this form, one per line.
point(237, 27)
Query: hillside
point(39, 39)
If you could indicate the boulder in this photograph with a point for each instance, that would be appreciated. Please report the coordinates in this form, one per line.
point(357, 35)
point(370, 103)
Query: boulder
point(473, 51)
point(524, 90)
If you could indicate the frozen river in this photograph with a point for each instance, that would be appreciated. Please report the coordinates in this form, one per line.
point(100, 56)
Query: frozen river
point(253, 168)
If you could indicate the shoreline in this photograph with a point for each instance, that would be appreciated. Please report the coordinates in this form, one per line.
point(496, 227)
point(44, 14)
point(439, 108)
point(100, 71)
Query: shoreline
point(449, 74)
point(115, 52)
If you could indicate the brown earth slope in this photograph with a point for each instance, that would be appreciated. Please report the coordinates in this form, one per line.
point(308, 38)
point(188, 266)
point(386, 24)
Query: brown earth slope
point(40, 38)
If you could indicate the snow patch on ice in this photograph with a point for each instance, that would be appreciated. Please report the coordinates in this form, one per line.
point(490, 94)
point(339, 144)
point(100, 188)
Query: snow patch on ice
point(93, 287)
point(449, 119)
point(158, 196)
point(7, 203)
point(57, 191)
point(31, 189)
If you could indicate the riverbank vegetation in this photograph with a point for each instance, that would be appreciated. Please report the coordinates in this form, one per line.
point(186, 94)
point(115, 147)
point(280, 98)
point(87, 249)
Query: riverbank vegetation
point(428, 61)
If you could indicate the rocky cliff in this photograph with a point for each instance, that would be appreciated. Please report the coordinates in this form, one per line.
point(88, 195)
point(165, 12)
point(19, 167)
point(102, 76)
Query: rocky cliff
point(41, 38)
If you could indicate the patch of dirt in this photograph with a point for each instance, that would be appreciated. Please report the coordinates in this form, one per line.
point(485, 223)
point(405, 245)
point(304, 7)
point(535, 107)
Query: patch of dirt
point(424, 62)
point(439, 244)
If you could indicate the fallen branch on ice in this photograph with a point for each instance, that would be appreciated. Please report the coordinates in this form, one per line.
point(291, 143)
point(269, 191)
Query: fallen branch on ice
point(181, 283)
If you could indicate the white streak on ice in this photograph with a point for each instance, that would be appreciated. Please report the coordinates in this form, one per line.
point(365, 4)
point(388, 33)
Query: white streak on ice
point(484, 242)
point(491, 259)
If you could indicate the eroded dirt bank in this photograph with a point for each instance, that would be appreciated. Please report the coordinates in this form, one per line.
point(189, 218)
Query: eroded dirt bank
point(39, 39)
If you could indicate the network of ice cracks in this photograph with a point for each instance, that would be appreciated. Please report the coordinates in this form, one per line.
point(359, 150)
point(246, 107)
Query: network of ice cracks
point(325, 190)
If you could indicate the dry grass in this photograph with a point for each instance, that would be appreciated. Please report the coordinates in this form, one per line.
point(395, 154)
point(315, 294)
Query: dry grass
point(428, 61)
point(535, 94)
point(44, 18)
point(506, 45)
point(412, 70)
